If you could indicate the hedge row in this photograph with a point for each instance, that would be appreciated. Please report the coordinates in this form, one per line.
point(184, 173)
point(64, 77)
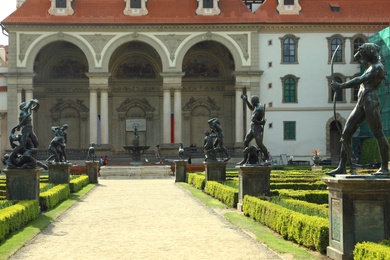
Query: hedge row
point(51, 198)
point(312, 232)
point(227, 195)
point(307, 208)
point(319, 185)
point(312, 196)
point(197, 180)
point(372, 251)
point(16, 216)
point(78, 184)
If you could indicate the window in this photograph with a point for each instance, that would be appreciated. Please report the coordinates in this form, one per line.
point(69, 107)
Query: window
point(288, 2)
point(208, 4)
point(289, 83)
point(208, 7)
point(333, 42)
point(354, 95)
point(356, 42)
point(60, 3)
point(61, 7)
point(289, 130)
point(288, 7)
point(135, 3)
point(135, 8)
point(289, 49)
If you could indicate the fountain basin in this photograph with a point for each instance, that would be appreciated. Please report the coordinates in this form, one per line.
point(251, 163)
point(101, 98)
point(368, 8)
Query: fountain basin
point(135, 172)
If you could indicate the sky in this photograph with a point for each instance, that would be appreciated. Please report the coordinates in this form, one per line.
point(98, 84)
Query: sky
point(6, 8)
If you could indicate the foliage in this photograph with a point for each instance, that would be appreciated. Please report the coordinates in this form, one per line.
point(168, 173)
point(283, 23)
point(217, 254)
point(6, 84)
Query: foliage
point(312, 232)
point(307, 208)
point(372, 251)
point(312, 196)
point(227, 195)
point(370, 151)
point(197, 180)
point(16, 216)
point(51, 198)
point(6, 203)
point(78, 183)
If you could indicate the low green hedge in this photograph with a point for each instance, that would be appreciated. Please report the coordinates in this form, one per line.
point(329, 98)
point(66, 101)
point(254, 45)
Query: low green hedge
point(304, 207)
point(78, 183)
point(51, 198)
point(312, 232)
point(14, 217)
point(312, 196)
point(318, 185)
point(372, 251)
point(197, 180)
point(227, 195)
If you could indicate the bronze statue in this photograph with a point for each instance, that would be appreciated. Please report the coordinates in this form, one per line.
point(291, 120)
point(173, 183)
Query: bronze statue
point(256, 130)
point(58, 144)
point(181, 152)
point(24, 144)
point(91, 152)
point(216, 132)
point(208, 146)
point(367, 107)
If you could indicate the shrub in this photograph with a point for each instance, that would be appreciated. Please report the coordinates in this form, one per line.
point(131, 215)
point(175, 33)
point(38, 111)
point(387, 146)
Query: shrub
point(372, 251)
point(227, 195)
point(17, 216)
point(312, 232)
point(51, 198)
point(78, 183)
point(307, 208)
point(197, 180)
point(312, 196)
point(370, 151)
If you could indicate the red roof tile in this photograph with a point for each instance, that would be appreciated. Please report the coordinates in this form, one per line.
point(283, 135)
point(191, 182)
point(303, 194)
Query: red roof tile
point(319, 11)
point(111, 12)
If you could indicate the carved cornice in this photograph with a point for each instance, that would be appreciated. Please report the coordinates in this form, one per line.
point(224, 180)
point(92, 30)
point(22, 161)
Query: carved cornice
point(321, 27)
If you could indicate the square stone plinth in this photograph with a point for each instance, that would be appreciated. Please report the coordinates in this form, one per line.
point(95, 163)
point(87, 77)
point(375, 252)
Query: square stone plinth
point(22, 184)
point(254, 181)
point(215, 171)
point(92, 171)
point(59, 173)
point(180, 171)
point(359, 210)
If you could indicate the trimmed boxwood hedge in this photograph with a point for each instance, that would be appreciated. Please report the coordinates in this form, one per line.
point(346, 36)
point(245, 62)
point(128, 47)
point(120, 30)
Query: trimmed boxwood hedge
point(51, 198)
point(372, 251)
point(78, 183)
point(14, 217)
point(197, 180)
point(227, 195)
point(312, 232)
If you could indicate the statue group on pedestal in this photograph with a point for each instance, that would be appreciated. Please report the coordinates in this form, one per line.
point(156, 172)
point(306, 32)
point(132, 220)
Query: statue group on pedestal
point(211, 146)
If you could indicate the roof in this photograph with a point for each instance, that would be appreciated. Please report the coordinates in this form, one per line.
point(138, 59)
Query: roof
point(183, 12)
point(319, 11)
point(111, 12)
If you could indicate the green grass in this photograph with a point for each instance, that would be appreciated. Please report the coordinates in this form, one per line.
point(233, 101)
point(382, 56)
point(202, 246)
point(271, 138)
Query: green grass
point(19, 239)
point(262, 233)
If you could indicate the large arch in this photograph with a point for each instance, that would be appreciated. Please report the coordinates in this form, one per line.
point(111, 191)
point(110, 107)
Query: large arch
point(40, 43)
point(115, 43)
point(235, 52)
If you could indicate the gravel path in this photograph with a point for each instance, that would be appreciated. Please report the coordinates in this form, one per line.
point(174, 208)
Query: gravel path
point(141, 219)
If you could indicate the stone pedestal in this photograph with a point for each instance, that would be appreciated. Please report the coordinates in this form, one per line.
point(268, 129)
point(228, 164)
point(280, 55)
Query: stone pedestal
point(180, 171)
point(316, 168)
point(59, 173)
point(254, 181)
point(92, 171)
point(359, 210)
point(22, 184)
point(215, 171)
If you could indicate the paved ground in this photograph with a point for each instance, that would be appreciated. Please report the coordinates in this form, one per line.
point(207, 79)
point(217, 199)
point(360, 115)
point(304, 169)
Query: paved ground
point(142, 219)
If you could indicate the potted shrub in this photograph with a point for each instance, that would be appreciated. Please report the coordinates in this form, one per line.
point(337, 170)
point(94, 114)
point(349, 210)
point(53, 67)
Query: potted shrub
point(316, 157)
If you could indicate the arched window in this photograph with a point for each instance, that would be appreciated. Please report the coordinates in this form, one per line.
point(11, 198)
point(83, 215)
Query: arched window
point(339, 55)
point(289, 49)
point(290, 83)
point(333, 42)
point(356, 42)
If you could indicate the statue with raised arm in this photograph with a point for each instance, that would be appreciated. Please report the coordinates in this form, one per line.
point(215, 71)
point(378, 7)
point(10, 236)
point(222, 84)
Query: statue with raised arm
point(216, 132)
point(58, 144)
point(366, 108)
point(256, 130)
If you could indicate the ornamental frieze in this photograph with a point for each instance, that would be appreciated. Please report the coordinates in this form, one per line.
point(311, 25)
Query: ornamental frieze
point(98, 41)
point(204, 88)
point(172, 42)
point(135, 89)
point(66, 90)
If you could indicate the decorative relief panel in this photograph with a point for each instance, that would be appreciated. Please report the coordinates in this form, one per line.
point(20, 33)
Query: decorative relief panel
point(25, 41)
point(172, 42)
point(98, 41)
point(243, 41)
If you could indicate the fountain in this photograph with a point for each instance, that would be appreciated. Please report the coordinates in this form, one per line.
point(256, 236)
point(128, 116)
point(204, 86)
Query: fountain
point(136, 150)
point(136, 170)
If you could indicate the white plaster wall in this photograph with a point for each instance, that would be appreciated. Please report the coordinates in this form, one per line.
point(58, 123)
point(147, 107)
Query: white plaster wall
point(313, 110)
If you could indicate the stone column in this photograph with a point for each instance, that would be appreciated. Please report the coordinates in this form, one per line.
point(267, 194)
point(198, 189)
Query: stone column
point(178, 116)
point(239, 116)
point(98, 82)
point(104, 122)
point(93, 116)
point(171, 81)
point(166, 116)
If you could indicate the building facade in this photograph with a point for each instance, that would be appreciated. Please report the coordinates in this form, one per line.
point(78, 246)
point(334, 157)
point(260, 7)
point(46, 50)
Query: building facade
point(167, 67)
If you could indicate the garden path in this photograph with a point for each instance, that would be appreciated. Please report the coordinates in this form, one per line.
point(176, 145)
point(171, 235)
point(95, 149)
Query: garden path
point(142, 219)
